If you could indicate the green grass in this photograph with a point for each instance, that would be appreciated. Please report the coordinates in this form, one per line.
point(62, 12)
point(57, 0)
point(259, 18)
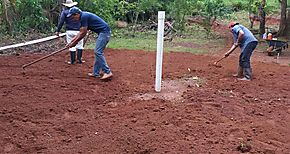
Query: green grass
point(191, 43)
point(136, 43)
point(193, 40)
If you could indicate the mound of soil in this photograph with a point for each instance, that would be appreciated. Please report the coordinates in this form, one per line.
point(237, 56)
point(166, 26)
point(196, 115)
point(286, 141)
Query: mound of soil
point(52, 107)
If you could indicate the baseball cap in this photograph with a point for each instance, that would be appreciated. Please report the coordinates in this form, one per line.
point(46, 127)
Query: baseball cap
point(232, 24)
point(73, 11)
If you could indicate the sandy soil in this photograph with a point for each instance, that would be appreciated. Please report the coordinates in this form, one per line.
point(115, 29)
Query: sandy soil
point(52, 107)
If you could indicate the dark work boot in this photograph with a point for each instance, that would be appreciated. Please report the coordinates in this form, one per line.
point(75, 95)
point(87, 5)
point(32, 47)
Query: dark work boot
point(72, 57)
point(79, 55)
point(239, 73)
point(247, 74)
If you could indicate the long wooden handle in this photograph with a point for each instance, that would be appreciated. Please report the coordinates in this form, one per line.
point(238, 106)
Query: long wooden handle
point(220, 60)
point(51, 54)
point(224, 56)
point(37, 60)
point(86, 38)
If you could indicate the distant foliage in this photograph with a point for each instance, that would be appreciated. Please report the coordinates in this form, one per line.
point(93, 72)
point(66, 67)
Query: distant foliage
point(42, 15)
point(211, 10)
point(240, 5)
point(30, 15)
point(137, 10)
point(103, 8)
point(179, 9)
point(26, 15)
point(253, 5)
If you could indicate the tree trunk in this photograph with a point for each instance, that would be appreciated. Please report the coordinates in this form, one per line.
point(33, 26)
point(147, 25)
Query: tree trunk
point(287, 29)
point(262, 15)
point(283, 20)
point(6, 16)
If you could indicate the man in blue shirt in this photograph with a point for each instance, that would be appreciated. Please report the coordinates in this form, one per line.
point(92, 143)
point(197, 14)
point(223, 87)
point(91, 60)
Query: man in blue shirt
point(243, 38)
point(72, 29)
point(90, 21)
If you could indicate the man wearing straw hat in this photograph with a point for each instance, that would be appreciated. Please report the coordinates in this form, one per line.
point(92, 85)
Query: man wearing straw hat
point(72, 29)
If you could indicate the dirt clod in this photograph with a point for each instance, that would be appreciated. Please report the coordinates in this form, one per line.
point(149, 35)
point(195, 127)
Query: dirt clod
point(244, 147)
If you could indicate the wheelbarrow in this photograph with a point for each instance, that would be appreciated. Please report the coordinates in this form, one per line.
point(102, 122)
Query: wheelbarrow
point(276, 47)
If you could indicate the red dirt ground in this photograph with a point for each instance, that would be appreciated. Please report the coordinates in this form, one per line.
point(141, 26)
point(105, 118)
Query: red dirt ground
point(55, 108)
point(52, 107)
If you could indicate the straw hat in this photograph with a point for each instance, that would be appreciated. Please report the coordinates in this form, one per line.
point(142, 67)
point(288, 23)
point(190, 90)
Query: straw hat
point(69, 3)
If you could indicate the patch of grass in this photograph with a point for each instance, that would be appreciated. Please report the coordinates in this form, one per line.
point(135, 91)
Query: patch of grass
point(187, 44)
point(192, 45)
point(194, 40)
point(133, 43)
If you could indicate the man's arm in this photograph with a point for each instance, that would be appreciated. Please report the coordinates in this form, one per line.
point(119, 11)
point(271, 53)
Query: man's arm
point(60, 23)
point(77, 38)
point(236, 44)
point(240, 37)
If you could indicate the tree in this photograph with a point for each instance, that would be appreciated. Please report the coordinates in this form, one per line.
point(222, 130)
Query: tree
point(103, 8)
point(178, 9)
point(262, 15)
point(210, 10)
point(51, 9)
point(284, 27)
point(6, 4)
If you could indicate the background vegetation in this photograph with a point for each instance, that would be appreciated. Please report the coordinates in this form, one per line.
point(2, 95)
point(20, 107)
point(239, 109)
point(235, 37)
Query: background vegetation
point(20, 16)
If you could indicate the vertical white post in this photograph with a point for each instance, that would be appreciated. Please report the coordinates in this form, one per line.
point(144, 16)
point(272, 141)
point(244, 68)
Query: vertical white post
point(159, 55)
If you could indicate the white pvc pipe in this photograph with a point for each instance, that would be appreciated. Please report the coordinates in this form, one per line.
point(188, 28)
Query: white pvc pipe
point(32, 42)
point(159, 55)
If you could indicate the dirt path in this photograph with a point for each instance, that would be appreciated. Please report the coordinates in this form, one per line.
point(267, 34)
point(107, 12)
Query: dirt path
point(52, 107)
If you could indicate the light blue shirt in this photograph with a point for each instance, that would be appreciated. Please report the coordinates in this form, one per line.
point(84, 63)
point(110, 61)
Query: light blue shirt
point(248, 35)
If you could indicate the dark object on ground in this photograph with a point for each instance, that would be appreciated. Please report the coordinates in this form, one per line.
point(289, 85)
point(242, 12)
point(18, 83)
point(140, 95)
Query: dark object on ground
point(244, 147)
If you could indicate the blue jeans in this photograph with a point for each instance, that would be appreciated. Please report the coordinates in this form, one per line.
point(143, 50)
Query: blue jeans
point(100, 60)
point(246, 54)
